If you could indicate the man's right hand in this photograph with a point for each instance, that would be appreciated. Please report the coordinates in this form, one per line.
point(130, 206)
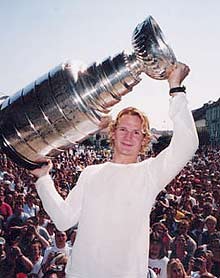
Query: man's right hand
point(178, 74)
point(43, 170)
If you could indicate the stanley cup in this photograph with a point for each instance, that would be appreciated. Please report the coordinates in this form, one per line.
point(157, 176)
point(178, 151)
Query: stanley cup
point(66, 105)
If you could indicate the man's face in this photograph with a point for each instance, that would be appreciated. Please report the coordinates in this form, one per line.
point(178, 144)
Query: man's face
point(36, 249)
point(182, 228)
point(128, 137)
point(60, 238)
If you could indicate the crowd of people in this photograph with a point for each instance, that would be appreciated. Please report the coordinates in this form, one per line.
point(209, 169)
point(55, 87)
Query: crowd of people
point(185, 219)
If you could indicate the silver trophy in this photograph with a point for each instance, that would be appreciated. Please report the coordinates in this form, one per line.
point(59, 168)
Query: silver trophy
point(67, 105)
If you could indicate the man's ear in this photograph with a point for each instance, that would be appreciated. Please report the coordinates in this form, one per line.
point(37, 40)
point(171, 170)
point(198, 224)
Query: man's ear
point(144, 141)
point(147, 140)
point(113, 135)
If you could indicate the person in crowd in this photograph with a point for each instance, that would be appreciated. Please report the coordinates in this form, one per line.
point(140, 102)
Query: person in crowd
point(196, 229)
point(179, 250)
point(18, 218)
point(51, 253)
point(5, 208)
point(186, 201)
point(169, 219)
point(51, 231)
point(34, 220)
point(158, 211)
point(210, 225)
point(157, 256)
point(216, 214)
point(28, 234)
point(216, 196)
point(163, 232)
point(30, 208)
point(14, 263)
point(175, 269)
point(183, 229)
point(9, 199)
point(72, 236)
point(43, 218)
point(214, 246)
point(35, 255)
point(112, 215)
point(207, 208)
point(201, 263)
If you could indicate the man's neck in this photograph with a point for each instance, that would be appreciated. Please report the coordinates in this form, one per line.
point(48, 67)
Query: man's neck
point(61, 246)
point(36, 258)
point(123, 159)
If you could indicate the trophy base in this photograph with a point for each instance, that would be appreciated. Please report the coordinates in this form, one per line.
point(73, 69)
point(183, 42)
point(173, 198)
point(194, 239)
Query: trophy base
point(17, 158)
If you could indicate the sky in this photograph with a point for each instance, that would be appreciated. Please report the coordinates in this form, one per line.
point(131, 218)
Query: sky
point(38, 35)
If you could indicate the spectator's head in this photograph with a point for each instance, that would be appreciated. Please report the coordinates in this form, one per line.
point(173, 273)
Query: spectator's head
point(175, 269)
point(42, 217)
point(35, 249)
point(197, 223)
point(18, 209)
point(9, 199)
point(198, 189)
point(19, 187)
point(20, 197)
point(159, 228)
point(208, 184)
point(179, 243)
point(183, 227)
point(187, 189)
point(50, 228)
point(157, 249)
point(29, 199)
point(211, 223)
point(60, 239)
point(196, 210)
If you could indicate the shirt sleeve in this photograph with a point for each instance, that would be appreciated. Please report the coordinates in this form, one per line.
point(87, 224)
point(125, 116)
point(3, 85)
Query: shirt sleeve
point(184, 143)
point(64, 213)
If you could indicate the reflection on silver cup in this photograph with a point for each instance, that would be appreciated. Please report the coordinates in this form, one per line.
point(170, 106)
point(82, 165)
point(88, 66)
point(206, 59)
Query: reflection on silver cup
point(67, 105)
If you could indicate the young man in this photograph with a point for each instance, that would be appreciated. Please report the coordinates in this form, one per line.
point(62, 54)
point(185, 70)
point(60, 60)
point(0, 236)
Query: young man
point(112, 201)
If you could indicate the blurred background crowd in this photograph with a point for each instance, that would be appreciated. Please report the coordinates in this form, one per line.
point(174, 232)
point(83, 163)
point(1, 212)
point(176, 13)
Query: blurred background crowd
point(185, 219)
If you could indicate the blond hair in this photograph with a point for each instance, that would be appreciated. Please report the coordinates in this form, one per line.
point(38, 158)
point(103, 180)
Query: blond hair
point(145, 126)
point(175, 262)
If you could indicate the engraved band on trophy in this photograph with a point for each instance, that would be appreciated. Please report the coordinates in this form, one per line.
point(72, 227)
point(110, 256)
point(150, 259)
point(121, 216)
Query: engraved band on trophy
point(62, 108)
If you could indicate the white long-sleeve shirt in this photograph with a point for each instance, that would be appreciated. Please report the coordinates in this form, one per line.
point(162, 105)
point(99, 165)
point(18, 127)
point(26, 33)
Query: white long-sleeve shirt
point(112, 203)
